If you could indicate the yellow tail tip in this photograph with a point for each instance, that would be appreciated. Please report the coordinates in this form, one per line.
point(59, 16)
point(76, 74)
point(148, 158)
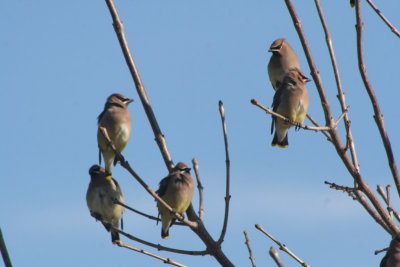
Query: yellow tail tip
point(165, 237)
point(281, 146)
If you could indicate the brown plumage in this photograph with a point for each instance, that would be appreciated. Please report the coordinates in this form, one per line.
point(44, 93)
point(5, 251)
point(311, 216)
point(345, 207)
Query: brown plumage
point(177, 190)
point(291, 101)
point(392, 257)
point(100, 197)
point(282, 60)
point(117, 120)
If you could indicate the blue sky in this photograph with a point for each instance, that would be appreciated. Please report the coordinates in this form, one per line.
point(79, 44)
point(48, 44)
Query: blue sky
point(61, 60)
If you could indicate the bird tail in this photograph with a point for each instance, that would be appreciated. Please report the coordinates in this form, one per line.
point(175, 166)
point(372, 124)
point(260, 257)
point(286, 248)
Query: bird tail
point(165, 233)
point(114, 236)
point(99, 156)
point(282, 144)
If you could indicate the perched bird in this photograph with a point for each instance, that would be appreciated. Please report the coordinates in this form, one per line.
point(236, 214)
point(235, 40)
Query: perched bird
point(102, 191)
point(291, 101)
point(282, 60)
point(392, 257)
point(117, 120)
point(177, 190)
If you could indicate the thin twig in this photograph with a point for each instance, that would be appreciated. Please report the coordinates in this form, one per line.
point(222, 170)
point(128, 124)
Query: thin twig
point(151, 217)
point(387, 22)
point(159, 137)
point(127, 166)
point(282, 247)
point(228, 162)
point(275, 256)
point(378, 116)
point(4, 252)
point(389, 202)
point(164, 248)
point(341, 95)
point(165, 260)
point(299, 125)
point(382, 193)
point(346, 189)
point(251, 256)
point(315, 123)
point(380, 251)
point(200, 187)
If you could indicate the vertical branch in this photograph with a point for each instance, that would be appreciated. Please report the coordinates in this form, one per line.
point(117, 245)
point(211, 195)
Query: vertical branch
point(341, 96)
point(4, 252)
point(251, 256)
point(378, 116)
point(387, 22)
point(227, 161)
point(159, 137)
point(199, 187)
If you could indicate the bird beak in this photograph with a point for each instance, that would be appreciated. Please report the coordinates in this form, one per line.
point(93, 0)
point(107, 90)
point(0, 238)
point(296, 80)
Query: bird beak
point(307, 79)
point(128, 101)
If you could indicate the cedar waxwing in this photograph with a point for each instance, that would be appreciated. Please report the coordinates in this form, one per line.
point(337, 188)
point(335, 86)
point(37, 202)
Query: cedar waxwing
point(177, 190)
point(102, 191)
point(392, 257)
point(117, 120)
point(291, 101)
point(282, 60)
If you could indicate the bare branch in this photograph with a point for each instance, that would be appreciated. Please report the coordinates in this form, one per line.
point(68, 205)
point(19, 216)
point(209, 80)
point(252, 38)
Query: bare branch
point(340, 149)
point(314, 122)
point(251, 256)
point(341, 95)
point(159, 137)
point(228, 162)
point(299, 125)
point(4, 252)
point(151, 217)
point(127, 166)
point(165, 260)
point(199, 187)
point(380, 251)
point(378, 116)
point(387, 22)
point(275, 256)
point(346, 189)
point(382, 193)
point(363, 201)
point(282, 247)
point(164, 248)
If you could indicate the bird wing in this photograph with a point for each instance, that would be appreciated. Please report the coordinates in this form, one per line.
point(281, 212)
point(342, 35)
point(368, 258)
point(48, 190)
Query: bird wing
point(163, 186)
point(275, 104)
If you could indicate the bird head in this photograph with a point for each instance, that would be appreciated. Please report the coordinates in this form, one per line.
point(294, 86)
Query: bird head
point(182, 167)
point(95, 170)
point(118, 99)
point(277, 45)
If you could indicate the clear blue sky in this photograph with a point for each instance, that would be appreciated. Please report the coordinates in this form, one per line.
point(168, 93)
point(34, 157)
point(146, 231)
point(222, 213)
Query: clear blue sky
point(61, 59)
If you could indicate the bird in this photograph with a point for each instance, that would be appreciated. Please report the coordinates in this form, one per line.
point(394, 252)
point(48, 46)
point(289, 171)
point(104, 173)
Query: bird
point(291, 101)
point(282, 60)
point(100, 196)
point(117, 120)
point(392, 257)
point(177, 191)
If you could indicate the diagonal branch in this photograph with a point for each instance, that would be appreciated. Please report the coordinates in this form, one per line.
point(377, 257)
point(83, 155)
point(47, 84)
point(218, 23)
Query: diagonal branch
point(159, 137)
point(4, 252)
point(387, 22)
point(165, 260)
point(341, 95)
point(282, 247)
point(228, 162)
point(378, 116)
point(127, 166)
point(199, 187)
point(251, 256)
